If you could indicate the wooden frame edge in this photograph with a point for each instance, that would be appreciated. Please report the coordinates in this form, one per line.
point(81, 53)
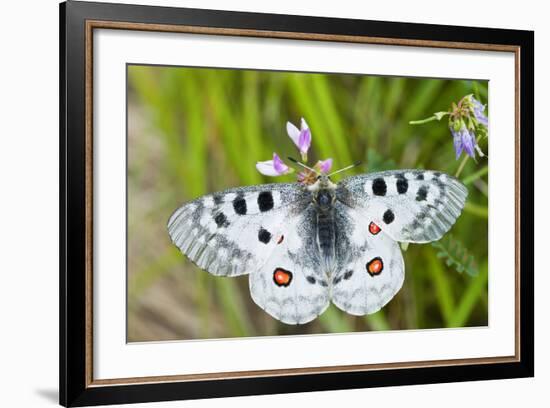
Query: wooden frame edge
point(290, 35)
point(92, 24)
point(232, 375)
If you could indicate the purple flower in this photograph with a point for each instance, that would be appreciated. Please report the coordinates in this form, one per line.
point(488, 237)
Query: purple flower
point(309, 177)
point(301, 138)
point(479, 114)
point(324, 166)
point(275, 167)
point(464, 139)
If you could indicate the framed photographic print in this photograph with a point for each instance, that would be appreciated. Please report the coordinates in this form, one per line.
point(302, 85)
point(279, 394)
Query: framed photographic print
point(255, 203)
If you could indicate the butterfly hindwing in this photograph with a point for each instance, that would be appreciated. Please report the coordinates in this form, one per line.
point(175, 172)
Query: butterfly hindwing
point(369, 267)
point(408, 205)
point(230, 233)
point(291, 285)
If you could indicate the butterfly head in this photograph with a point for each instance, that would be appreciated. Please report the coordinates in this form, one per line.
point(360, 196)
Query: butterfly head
point(319, 183)
point(323, 192)
point(322, 182)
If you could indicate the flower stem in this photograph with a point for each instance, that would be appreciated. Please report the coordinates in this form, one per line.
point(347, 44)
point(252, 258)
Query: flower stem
point(461, 167)
point(420, 122)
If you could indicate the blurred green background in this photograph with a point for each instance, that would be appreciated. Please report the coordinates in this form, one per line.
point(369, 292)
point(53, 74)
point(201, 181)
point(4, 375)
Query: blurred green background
point(193, 131)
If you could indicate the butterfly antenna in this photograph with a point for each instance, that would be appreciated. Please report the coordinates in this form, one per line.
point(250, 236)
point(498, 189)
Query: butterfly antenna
point(302, 164)
point(351, 166)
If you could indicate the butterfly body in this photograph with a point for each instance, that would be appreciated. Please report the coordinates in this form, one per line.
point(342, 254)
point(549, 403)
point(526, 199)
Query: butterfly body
point(323, 199)
point(304, 246)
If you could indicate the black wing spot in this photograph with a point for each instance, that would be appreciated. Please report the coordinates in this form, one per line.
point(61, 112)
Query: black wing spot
point(379, 187)
point(221, 220)
point(422, 193)
point(402, 185)
point(388, 217)
point(420, 176)
point(265, 201)
point(218, 199)
point(311, 280)
point(345, 276)
point(239, 205)
point(264, 236)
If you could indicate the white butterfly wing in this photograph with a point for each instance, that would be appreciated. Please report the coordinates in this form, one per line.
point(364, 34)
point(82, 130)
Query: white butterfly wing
point(232, 232)
point(369, 267)
point(270, 231)
point(291, 285)
point(408, 205)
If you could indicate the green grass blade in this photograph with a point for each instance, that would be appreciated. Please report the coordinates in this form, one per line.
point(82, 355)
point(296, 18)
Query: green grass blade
point(476, 290)
point(333, 321)
point(334, 130)
point(195, 135)
point(154, 271)
point(476, 209)
point(442, 284)
point(233, 308)
point(473, 177)
point(378, 321)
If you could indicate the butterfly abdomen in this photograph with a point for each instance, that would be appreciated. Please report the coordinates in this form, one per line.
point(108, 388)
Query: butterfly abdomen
point(326, 237)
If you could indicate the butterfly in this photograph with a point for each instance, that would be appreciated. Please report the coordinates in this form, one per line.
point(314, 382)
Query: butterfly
point(304, 246)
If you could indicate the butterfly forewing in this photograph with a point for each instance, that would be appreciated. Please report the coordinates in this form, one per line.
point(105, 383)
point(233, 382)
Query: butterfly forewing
point(408, 205)
point(233, 232)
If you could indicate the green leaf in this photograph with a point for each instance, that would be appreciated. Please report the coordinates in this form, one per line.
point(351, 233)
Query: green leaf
point(456, 255)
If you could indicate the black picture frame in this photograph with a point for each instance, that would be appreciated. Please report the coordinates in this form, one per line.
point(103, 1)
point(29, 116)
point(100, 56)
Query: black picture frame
point(76, 385)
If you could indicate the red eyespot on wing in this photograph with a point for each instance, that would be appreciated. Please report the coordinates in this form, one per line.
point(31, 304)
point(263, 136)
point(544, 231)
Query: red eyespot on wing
point(281, 237)
point(374, 229)
point(282, 277)
point(375, 266)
